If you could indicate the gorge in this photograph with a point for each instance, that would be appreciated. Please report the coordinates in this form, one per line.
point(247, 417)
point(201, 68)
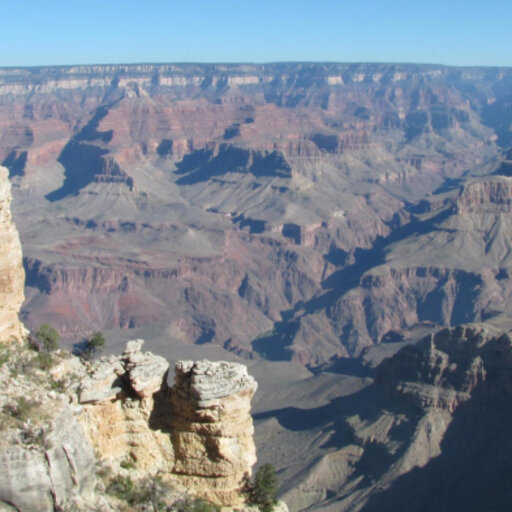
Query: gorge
point(343, 230)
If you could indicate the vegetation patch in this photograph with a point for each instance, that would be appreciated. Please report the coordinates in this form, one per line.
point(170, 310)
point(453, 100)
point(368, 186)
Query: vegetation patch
point(263, 490)
point(5, 354)
point(195, 505)
point(149, 491)
point(22, 409)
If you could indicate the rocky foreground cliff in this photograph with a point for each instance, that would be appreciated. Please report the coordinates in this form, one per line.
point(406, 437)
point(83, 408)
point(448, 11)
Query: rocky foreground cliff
point(12, 275)
point(111, 435)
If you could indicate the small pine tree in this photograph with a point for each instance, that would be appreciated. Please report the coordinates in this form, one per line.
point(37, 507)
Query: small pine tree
point(48, 337)
point(264, 489)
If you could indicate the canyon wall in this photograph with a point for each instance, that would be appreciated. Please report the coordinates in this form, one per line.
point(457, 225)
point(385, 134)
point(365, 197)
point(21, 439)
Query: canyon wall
point(12, 275)
point(434, 418)
point(281, 194)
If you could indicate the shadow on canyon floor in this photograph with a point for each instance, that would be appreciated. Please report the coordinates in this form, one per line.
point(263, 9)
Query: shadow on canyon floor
point(368, 404)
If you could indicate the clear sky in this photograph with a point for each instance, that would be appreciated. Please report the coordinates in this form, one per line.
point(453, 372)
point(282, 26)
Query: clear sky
point(51, 32)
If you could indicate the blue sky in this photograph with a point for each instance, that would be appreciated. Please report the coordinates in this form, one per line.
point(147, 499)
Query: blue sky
point(51, 32)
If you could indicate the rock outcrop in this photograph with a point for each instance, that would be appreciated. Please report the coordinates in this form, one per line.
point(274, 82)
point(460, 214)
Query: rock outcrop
point(12, 275)
point(212, 428)
point(435, 417)
point(118, 412)
point(46, 461)
point(443, 370)
point(199, 432)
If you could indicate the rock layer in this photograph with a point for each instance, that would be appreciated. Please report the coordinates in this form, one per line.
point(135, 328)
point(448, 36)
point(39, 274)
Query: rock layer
point(119, 413)
point(12, 275)
point(212, 428)
point(198, 435)
point(188, 195)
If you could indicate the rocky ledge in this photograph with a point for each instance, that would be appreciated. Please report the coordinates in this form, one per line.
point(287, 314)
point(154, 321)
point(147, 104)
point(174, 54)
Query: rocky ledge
point(75, 426)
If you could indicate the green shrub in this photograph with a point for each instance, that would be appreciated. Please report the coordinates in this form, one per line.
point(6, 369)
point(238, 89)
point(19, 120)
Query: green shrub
point(23, 409)
point(48, 337)
point(93, 345)
point(264, 488)
point(125, 489)
point(127, 463)
point(195, 505)
point(57, 385)
point(43, 361)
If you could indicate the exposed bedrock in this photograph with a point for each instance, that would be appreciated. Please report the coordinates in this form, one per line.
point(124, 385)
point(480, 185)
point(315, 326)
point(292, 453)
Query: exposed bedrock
point(212, 429)
point(119, 410)
point(35, 480)
point(200, 431)
point(437, 411)
point(12, 275)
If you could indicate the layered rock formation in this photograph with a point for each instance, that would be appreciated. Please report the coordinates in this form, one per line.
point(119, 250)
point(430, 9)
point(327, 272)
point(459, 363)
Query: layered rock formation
point(187, 195)
point(118, 412)
point(12, 275)
point(212, 429)
point(199, 431)
point(433, 421)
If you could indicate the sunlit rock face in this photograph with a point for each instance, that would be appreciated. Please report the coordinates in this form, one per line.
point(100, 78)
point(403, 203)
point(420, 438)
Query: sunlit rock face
point(12, 275)
point(200, 431)
point(212, 428)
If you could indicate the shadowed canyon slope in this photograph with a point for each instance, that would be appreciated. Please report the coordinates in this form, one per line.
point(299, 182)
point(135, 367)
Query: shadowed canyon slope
point(431, 429)
point(293, 198)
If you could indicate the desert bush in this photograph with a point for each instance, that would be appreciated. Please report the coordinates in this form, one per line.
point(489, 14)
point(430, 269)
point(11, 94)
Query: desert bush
point(127, 463)
point(47, 337)
point(124, 488)
point(22, 409)
point(93, 345)
point(57, 385)
point(5, 354)
point(194, 505)
point(43, 361)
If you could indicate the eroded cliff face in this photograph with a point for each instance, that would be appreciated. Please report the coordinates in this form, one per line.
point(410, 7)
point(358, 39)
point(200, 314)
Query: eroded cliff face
point(436, 411)
point(212, 428)
point(199, 431)
point(68, 423)
point(191, 194)
point(118, 410)
point(46, 461)
point(12, 275)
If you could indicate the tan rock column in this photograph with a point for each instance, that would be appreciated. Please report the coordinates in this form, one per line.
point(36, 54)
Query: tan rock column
point(212, 429)
point(12, 275)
